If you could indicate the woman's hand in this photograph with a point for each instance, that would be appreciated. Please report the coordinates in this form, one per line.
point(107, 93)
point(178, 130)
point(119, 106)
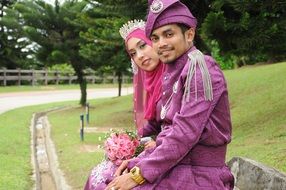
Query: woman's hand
point(123, 182)
point(122, 169)
point(150, 144)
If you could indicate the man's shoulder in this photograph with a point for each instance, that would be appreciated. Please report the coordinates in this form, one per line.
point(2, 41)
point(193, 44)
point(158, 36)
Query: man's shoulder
point(209, 60)
point(210, 66)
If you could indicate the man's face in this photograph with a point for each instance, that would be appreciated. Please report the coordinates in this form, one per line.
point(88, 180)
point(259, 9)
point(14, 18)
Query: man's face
point(170, 42)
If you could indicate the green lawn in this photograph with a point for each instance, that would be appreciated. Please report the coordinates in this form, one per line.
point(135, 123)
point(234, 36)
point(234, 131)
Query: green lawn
point(258, 107)
point(15, 153)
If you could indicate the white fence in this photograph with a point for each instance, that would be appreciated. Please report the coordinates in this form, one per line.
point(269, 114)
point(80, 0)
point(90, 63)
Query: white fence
point(46, 77)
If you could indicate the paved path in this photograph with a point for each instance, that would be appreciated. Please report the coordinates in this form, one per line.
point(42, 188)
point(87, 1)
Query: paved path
point(10, 101)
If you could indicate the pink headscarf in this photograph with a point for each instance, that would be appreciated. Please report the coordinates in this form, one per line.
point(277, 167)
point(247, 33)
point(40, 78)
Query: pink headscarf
point(152, 83)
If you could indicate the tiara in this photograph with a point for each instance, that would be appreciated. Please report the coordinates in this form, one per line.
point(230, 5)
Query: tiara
point(130, 26)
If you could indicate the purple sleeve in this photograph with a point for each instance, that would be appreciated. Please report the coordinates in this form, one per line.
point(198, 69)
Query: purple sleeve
point(184, 133)
point(151, 128)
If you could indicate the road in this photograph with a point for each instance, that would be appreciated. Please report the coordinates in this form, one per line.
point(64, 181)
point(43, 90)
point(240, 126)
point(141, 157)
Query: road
point(10, 101)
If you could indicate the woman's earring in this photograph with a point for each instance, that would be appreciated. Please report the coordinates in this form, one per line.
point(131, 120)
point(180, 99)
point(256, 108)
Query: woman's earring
point(134, 67)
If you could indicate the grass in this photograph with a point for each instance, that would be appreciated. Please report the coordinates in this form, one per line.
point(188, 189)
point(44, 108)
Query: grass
point(26, 88)
point(258, 106)
point(75, 160)
point(15, 153)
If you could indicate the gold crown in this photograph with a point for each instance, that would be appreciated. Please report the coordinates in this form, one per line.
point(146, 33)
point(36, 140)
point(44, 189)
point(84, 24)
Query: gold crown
point(130, 26)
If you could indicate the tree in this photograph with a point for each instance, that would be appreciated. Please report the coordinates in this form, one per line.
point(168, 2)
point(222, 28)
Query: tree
point(55, 31)
point(252, 30)
point(200, 9)
point(103, 43)
point(13, 47)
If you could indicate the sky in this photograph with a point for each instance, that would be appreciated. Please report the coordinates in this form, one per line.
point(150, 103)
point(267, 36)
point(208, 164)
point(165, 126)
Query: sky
point(53, 1)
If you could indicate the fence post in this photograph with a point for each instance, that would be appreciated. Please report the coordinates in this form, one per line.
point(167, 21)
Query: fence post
point(70, 78)
point(82, 127)
point(57, 77)
point(87, 113)
point(92, 77)
point(4, 76)
point(19, 76)
point(33, 82)
point(46, 76)
point(114, 78)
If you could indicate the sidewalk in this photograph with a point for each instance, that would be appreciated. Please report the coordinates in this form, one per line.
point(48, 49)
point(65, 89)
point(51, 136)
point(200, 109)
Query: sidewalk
point(10, 101)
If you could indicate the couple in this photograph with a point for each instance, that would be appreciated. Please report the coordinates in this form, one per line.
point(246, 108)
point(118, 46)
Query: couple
point(191, 115)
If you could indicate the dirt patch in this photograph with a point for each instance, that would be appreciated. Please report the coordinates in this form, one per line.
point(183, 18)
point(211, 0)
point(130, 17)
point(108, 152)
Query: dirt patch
point(47, 182)
point(96, 129)
point(91, 148)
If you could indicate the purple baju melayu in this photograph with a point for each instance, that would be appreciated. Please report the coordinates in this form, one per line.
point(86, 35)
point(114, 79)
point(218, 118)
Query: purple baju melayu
point(191, 148)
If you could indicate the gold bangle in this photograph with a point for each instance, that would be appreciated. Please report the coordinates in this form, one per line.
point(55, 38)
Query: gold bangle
point(136, 175)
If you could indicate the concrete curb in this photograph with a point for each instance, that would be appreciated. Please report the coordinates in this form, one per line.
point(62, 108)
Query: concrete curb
point(46, 172)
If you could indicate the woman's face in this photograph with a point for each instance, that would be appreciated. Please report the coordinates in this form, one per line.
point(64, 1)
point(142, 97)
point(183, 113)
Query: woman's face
point(142, 54)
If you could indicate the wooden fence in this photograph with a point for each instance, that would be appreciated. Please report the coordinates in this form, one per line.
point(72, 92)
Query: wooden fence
point(46, 77)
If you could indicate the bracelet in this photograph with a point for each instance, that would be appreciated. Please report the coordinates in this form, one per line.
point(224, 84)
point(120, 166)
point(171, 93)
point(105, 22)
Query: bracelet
point(136, 175)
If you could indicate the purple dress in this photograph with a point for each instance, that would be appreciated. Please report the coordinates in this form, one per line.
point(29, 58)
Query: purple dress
point(100, 176)
point(191, 148)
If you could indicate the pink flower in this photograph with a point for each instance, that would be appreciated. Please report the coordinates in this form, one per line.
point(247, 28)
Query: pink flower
point(120, 146)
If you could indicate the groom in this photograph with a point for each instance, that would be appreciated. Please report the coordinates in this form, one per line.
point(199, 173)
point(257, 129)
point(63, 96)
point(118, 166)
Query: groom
point(191, 148)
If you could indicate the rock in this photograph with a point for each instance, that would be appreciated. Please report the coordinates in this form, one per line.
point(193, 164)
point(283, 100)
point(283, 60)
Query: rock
point(253, 175)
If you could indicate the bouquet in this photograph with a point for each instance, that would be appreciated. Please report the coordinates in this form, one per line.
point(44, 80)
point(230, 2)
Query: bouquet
point(121, 146)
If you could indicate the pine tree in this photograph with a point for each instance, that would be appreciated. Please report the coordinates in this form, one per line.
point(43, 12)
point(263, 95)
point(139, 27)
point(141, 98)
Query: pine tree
point(13, 51)
point(56, 32)
point(103, 43)
point(252, 30)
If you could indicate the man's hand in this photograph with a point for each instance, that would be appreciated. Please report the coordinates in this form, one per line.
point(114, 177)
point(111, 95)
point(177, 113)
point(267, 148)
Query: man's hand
point(149, 144)
point(123, 182)
point(122, 169)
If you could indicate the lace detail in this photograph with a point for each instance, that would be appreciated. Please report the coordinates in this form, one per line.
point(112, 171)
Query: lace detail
point(134, 67)
point(97, 174)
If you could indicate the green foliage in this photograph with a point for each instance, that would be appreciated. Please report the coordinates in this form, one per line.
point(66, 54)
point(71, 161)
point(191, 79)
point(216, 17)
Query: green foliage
point(14, 50)
point(225, 62)
point(123, 8)
point(253, 30)
point(62, 68)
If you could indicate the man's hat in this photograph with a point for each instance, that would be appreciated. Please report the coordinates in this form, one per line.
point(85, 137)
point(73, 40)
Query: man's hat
point(163, 12)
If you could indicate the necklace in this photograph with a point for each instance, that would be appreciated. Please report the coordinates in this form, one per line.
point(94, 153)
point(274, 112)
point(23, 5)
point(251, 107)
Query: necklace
point(167, 105)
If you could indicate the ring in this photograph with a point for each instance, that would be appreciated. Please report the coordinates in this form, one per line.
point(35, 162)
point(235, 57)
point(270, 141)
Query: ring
point(112, 188)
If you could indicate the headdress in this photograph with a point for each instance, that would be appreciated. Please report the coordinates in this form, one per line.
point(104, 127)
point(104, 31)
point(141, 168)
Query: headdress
point(134, 28)
point(163, 12)
point(131, 26)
